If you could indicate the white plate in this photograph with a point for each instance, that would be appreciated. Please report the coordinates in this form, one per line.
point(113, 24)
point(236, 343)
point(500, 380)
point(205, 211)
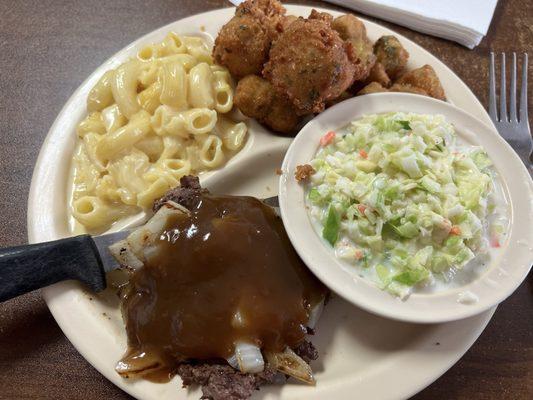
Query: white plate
point(361, 354)
point(507, 268)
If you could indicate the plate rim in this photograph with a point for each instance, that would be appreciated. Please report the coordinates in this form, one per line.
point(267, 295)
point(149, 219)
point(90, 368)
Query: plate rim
point(53, 295)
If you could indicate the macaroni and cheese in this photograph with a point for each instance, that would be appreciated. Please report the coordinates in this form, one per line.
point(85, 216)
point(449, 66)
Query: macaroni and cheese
point(153, 119)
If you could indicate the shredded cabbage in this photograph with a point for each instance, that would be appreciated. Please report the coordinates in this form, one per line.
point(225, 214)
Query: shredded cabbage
point(395, 193)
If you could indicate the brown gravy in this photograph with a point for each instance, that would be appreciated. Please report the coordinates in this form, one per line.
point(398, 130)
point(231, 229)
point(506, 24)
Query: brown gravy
point(225, 273)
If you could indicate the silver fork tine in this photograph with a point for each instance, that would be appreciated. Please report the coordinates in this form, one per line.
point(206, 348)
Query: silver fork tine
point(512, 92)
point(492, 89)
point(523, 93)
point(503, 92)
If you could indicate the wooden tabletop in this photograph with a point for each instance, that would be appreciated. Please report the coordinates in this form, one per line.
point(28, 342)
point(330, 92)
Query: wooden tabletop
point(47, 48)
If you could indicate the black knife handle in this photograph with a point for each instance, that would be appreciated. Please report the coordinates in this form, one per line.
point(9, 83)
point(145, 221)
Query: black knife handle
point(29, 267)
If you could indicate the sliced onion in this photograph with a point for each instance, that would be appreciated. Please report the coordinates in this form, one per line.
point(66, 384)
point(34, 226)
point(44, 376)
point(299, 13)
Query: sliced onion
point(233, 361)
point(149, 232)
point(133, 251)
point(125, 255)
point(289, 363)
point(248, 358)
point(314, 314)
point(139, 363)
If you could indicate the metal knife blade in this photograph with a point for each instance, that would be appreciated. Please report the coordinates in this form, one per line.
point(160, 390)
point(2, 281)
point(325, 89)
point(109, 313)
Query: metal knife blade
point(103, 242)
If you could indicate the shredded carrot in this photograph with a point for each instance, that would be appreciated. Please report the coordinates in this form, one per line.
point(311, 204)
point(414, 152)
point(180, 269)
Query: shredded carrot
point(361, 208)
point(455, 230)
point(327, 138)
point(494, 242)
point(363, 153)
point(358, 254)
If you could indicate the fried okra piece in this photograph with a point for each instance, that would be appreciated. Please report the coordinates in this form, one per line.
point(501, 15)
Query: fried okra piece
point(309, 65)
point(253, 96)
point(352, 30)
point(398, 87)
point(281, 116)
point(391, 54)
point(360, 53)
point(344, 96)
point(372, 87)
point(242, 45)
point(426, 79)
point(256, 98)
point(349, 27)
point(379, 75)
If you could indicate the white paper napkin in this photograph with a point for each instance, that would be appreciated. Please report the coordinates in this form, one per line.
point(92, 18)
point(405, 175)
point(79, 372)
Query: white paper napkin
point(463, 21)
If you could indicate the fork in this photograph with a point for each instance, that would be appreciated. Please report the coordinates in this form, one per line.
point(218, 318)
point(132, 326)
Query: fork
point(513, 127)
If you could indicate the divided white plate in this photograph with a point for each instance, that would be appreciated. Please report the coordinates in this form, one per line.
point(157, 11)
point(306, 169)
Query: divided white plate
point(360, 353)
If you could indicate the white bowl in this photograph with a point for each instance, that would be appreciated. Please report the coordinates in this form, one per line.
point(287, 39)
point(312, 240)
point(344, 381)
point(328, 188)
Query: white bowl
point(502, 275)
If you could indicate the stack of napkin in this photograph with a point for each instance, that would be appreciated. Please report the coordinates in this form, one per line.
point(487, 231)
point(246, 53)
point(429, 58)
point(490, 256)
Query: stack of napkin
point(463, 21)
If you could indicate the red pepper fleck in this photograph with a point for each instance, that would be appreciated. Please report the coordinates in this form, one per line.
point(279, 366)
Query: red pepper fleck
point(455, 230)
point(358, 254)
point(361, 208)
point(327, 138)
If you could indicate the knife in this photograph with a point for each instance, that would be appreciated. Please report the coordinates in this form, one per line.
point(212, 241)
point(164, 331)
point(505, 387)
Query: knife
point(83, 258)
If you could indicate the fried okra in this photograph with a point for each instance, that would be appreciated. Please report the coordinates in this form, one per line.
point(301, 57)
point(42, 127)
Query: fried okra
point(391, 54)
point(398, 87)
point(349, 27)
point(378, 74)
point(372, 87)
point(256, 98)
point(253, 96)
point(426, 79)
point(352, 30)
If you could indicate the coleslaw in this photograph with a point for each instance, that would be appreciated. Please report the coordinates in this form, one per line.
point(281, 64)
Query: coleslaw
point(399, 197)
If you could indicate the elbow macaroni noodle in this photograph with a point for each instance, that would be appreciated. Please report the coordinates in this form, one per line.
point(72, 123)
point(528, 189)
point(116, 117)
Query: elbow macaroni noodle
point(150, 121)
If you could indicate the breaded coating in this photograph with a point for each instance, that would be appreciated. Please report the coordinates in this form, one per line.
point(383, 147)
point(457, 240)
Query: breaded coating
point(281, 116)
point(372, 87)
point(344, 96)
point(269, 7)
point(349, 27)
point(303, 172)
point(390, 52)
point(362, 57)
point(253, 96)
point(309, 65)
point(360, 50)
point(277, 25)
point(398, 87)
point(426, 79)
point(256, 98)
point(242, 44)
point(322, 16)
point(287, 20)
point(378, 74)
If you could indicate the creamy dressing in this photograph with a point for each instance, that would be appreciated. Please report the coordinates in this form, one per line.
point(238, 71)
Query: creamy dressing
point(467, 298)
point(488, 252)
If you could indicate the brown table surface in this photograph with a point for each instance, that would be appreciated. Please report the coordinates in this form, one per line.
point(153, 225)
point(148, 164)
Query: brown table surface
point(48, 47)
